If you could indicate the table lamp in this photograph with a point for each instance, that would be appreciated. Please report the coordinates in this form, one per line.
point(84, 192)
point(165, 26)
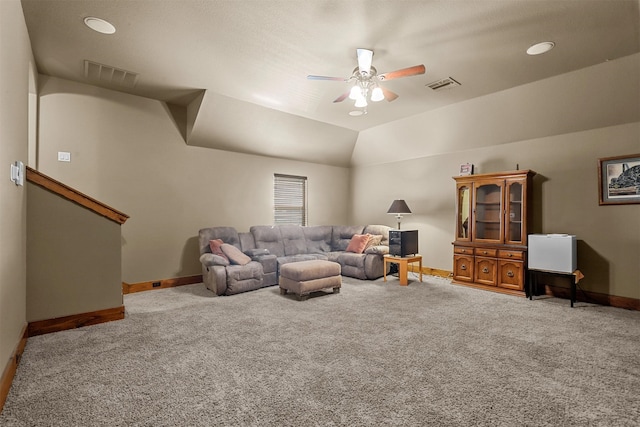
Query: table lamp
point(398, 208)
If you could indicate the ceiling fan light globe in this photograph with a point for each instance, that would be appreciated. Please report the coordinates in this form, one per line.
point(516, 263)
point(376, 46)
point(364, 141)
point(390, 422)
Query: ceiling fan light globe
point(355, 93)
point(361, 102)
point(377, 94)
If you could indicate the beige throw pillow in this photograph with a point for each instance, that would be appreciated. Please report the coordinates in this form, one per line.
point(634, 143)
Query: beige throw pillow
point(234, 254)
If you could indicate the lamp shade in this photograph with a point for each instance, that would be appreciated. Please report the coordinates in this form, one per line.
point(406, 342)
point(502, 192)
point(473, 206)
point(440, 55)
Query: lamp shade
point(399, 207)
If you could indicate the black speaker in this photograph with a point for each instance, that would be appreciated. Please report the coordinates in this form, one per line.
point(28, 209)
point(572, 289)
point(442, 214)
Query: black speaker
point(403, 242)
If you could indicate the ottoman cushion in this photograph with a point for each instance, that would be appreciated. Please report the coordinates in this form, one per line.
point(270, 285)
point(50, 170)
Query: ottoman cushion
point(305, 277)
point(309, 270)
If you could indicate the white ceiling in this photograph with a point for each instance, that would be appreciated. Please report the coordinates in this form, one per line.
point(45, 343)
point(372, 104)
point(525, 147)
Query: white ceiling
point(251, 58)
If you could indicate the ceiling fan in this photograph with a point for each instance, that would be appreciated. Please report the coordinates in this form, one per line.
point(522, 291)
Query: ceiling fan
point(366, 80)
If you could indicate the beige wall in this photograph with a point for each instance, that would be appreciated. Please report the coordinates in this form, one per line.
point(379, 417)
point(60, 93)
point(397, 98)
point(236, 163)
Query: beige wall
point(74, 258)
point(127, 153)
point(15, 56)
point(565, 158)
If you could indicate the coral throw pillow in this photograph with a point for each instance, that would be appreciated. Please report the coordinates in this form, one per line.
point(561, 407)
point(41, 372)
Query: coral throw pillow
point(215, 248)
point(234, 254)
point(357, 243)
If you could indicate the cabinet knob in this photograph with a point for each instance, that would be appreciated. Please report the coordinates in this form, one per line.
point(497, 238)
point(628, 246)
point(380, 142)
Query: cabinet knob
point(509, 255)
point(484, 252)
point(485, 270)
point(463, 267)
point(463, 250)
point(510, 273)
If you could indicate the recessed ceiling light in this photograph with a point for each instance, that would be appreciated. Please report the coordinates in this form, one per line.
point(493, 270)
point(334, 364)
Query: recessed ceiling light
point(356, 113)
point(99, 25)
point(540, 48)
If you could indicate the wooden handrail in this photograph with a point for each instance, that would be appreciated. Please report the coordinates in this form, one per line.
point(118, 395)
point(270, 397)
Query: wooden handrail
point(75, 196)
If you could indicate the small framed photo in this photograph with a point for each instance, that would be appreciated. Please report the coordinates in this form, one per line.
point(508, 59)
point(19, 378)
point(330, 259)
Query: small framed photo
point(466, 169)
point(619, 180)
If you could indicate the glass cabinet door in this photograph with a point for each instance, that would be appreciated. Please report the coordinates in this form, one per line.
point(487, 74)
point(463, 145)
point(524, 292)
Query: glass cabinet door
point(488, 211)
point(514, 212)
point(463, 205)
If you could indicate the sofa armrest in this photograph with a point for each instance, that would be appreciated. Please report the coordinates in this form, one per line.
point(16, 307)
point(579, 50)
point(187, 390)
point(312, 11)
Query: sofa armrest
point(380, 250)
point(256, 253)
point(209, 260)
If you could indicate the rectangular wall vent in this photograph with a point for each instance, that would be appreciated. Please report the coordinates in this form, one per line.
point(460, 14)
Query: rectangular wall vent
point(442, 84)
point(107, 74)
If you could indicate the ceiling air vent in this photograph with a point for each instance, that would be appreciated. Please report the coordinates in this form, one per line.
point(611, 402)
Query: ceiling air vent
point(443, 84)
point(106, 74)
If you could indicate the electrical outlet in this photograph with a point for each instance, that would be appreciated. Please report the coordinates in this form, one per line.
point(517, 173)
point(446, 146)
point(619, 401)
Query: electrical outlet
point(64, 156)
point(156, 284)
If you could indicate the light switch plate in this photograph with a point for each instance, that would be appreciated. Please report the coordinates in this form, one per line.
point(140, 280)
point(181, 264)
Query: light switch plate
point(64, 156)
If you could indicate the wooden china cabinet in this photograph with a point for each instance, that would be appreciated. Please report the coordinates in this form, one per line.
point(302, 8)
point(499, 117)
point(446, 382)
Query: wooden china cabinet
point(492, 212)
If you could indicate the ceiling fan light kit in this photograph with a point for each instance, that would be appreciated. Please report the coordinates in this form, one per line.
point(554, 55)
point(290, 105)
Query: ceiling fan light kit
point(367, 81)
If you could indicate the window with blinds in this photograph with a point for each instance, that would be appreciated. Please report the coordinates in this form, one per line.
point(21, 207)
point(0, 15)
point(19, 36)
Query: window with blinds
point(290, 199)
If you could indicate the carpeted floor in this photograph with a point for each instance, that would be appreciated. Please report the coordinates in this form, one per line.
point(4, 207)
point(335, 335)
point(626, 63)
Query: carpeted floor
point(376, 354)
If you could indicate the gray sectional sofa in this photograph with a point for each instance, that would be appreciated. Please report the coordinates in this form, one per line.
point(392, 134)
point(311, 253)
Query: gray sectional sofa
point(269, 247)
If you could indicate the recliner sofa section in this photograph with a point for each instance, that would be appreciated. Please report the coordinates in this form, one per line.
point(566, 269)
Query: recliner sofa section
point(269, 247)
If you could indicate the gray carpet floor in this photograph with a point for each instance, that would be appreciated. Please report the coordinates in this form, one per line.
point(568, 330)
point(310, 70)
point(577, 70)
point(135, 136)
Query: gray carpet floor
point(376, 354)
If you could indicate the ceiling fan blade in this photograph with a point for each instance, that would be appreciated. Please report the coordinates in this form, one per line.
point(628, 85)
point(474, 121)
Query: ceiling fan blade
point(405, 72)
point(364, 60)
point(388, 95)
point(340, 79)
point(342, 97)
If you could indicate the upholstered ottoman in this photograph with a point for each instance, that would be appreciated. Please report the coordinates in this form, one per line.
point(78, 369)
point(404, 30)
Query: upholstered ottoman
point(304, 277)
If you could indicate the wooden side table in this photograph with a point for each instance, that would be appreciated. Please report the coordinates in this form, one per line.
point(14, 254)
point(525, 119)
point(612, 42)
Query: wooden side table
point(403, 264)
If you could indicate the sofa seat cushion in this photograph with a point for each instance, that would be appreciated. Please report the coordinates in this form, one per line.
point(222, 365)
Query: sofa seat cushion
point(297, 258)
point(333, 256)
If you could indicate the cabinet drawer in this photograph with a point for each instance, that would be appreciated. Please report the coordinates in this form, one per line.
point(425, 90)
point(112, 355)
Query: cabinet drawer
point(463, 268)
point(486, 252)
point(511, 275)
point(462, 250)
point(485, 271)
point(519, 255)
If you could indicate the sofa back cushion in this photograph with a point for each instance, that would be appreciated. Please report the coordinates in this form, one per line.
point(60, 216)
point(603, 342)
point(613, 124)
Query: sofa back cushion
point(342, 235)
point(226, 234)
point(246, 241)
point(293, 240)
point(318, 238)
point(268, 237)
point(382, 230)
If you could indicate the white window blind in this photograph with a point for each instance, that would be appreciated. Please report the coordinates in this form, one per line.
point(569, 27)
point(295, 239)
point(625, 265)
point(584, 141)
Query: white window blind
point(290, 199)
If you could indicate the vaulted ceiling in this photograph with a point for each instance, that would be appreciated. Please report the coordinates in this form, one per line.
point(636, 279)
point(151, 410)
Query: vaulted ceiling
point(234, 73)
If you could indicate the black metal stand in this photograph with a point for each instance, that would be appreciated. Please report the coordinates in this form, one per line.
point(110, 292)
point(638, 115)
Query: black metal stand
point(533, 282)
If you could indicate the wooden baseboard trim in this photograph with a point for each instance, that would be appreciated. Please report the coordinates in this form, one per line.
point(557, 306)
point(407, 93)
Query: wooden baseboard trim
point(594, 297)
point(129, 288)
point(12, 365)
point(430, 271)
point(48, 326)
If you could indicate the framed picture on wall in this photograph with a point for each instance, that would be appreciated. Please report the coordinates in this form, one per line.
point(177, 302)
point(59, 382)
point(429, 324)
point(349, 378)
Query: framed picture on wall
point(619, 180)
